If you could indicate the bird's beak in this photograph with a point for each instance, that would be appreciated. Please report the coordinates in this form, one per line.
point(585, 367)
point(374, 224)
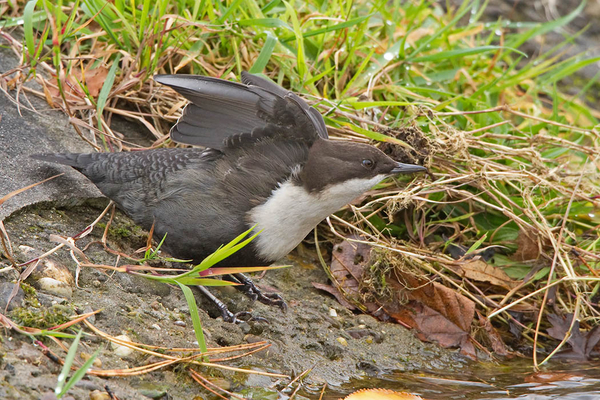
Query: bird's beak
point(407, 168)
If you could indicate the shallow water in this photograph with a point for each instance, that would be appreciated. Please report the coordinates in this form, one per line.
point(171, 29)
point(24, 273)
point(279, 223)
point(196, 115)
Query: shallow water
point(515, 380)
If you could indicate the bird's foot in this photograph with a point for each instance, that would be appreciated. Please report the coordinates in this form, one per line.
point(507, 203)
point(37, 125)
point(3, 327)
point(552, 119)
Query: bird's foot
point(228, 316)
point(250, 289)
point(242, 316)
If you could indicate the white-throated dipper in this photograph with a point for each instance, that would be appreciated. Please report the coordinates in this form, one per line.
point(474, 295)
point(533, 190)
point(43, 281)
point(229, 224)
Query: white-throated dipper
point(267, 161)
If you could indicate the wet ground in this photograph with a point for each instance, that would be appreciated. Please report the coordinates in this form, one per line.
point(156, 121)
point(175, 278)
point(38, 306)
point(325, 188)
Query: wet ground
point(316, 333)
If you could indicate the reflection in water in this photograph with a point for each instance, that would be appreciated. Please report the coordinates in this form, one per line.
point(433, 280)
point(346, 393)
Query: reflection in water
point(485, 381)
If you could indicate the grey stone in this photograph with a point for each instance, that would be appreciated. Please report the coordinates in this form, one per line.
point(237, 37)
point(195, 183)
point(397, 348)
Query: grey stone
point(6, 289)
point(30, 132)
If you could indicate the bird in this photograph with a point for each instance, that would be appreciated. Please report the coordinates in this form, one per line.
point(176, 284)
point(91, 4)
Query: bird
point(265, 161)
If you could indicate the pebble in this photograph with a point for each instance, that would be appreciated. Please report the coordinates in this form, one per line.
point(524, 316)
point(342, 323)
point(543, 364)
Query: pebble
point(86, 356)
point(119, 350)
point(6, 289)
point(49, 268)
point(180, 323)
point(333, 313)
point(342, 341)
point(98, 395)
point(54, 278)
point(55, 287)
point(156, 326)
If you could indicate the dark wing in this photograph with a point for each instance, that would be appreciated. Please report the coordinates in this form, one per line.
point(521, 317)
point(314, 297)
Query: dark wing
point(223, 114)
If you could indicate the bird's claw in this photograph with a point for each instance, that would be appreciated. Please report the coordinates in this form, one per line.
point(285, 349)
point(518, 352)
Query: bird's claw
point(239, 317)
point(250, 289)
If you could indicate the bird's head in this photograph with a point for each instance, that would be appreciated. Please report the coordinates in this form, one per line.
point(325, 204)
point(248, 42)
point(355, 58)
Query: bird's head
point(348, 169)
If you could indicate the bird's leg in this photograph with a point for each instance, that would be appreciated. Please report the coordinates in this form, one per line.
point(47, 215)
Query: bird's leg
point(227, 315)
point(251, 290)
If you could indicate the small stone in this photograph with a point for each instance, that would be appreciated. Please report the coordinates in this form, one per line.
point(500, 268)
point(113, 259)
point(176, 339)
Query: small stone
point(98, 395)
point(86, 356)
point(155, 305)
point(92, 318)
point(156, 326)
point(96, 283)
point(342, 341)
point(120, 350)
point(180, 323)
point(6, 289)
point(28, 251)
point(49, 268)
point(333, 313)
point(369, 339)
point(55, 287)
point(49, 300)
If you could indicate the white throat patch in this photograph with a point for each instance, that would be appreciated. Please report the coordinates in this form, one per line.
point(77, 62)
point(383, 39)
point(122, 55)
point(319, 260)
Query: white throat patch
point(291, 213)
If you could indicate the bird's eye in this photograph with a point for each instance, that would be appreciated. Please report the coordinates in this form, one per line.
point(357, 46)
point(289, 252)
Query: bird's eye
point(368, 163)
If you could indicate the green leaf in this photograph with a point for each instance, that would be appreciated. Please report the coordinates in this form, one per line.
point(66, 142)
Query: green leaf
point(265, 22)
point(265, 54)
point(28, 28)
point(107, 86)
point(476, 245)
point(449, 54)
point(300, 60)
point(80, 373)
point(191, 301)
point(191, 281)
point(59, 390)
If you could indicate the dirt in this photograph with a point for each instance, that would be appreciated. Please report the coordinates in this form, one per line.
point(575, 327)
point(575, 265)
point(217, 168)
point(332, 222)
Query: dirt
point(315, 334)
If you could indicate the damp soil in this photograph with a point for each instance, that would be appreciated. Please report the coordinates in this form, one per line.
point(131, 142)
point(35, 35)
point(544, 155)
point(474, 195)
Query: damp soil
point(315, 333)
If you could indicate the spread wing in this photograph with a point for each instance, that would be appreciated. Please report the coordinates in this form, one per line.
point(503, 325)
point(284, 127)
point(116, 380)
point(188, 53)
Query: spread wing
point(224, 114)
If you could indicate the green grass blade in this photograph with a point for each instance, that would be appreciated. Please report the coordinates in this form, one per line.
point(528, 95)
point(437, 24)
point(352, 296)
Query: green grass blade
point(28, 29)
point(80, 373)
point(64, 373)
point(300, 59)
point(191, 301)
point(447, 55)
point(191, 281)
point(265, 54)
point(107, 87)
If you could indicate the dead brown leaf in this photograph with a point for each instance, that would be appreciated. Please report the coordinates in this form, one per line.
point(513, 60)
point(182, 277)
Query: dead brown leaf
point(438, 313)
point(480, 271)
point(493, 336)
point(528, 247)
point(93, 79)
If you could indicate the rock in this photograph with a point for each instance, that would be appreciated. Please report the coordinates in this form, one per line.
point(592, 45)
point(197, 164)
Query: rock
point(98, 395)
point(50, 268)
point(48, 300)
point(119, 350)
point(97, 361)
point(24, 132)
point(55, 287)
point(54, 278)
point(6, 288)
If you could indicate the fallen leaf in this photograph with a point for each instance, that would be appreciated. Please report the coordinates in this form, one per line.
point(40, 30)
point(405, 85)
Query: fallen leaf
point(480, 271)
point(581, 344)
point(93, 79)
point(494, 337)
point(527, 247)
point(438, 313)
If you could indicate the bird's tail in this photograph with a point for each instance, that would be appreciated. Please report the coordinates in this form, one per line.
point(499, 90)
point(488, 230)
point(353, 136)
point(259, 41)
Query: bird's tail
point(74, 160)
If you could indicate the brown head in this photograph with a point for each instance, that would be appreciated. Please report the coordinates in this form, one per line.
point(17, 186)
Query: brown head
point(355, 166)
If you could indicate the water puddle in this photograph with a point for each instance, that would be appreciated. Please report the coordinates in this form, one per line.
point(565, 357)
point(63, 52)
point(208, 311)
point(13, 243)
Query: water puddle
point(483, 381)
